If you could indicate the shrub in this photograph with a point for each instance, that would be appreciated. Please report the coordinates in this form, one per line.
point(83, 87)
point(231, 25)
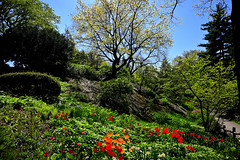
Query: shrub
point(114, 93)
point(86, 71)
point(30, 84)
point(105, 70)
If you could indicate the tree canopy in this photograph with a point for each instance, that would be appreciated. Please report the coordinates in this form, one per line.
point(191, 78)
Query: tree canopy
point(126, 32)
point(35, 49)
point(16, 13)
point(219, 36)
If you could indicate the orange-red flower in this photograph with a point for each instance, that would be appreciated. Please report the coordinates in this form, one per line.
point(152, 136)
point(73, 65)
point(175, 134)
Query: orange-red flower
point(110, 134)
point(99, 144)
point(126, 136)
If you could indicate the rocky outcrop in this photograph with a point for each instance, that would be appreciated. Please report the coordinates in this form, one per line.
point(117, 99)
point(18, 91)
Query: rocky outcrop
point(140, 103)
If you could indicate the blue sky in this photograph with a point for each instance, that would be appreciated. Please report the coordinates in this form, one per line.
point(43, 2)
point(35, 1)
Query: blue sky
point(186, 36)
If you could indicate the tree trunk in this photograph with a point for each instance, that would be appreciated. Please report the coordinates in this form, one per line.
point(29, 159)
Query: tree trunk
point(236, 41)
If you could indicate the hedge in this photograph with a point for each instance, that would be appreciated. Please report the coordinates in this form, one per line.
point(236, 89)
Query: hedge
point(30, 84)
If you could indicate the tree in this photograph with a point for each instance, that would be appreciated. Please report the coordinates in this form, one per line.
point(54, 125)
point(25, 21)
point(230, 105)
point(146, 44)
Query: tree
point(219, 36)
point(16, 13)
point(204, 7)
point(35, 49)
point(214, 92)
point(126, 32)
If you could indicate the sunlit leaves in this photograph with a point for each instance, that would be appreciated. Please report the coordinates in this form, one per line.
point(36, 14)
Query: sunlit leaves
point(123, 27)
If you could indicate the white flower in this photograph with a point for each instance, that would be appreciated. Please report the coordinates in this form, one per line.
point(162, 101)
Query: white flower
point(161, 155)
point(147, 153)
point(114, 158)
point(150, 148)
point(105, 158)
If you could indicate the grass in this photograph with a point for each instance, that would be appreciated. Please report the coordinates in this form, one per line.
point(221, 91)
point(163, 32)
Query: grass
point(69, 129)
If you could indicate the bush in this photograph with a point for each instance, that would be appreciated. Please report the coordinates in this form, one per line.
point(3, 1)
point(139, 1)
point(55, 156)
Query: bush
point(30, 84)
point(114, 93)
point(86, 71)
point(104, 71)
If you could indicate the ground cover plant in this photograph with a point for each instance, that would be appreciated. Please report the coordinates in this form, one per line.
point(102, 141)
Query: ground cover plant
point(69, 129)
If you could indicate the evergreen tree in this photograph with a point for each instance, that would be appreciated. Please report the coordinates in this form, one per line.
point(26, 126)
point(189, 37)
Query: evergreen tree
point(219, 36)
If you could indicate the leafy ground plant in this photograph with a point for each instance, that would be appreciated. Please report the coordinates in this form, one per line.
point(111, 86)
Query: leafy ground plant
point(74, 130)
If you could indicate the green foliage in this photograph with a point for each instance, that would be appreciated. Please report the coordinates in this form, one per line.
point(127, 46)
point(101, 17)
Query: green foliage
point(30, 84)
point(219, 36)
point(161, 117)
point(73, 129)
point(80, 71)
point(113, 93)
point(104, 70)
point(214, 87)
point(92, 59)
point(17, 13)
point(32, 48)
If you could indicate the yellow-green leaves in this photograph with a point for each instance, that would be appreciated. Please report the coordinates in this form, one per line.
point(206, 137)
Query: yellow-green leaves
point(118, 27)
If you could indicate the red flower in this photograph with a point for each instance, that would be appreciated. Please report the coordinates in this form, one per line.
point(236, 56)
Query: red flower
point(137, 123)
point(109, 153)
point(62, 112)
point(66, 113)
point(111, 119)
point(157, 129)
point(78, 144)
point(126, 131)
point(65, 118)
point(165, 130)
point(39, 115)
point(137, 131)
point(62, 115)
point(95, 150)
point(113, 154)
point(221, 139)
point(180, 139)
point(158, 133)
point(82, 132)
point(109, 147)
point(53, 138)
point(192, 134)
point(99, 144)
point(56, 116)
point(120, 157)
point(213, 138)
point(112, 115)
point(204, 137)
point(198, 136)
point(45, 154)
point(63, 151)
point(119, 150)
point(102, 149)
point(191, 148)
